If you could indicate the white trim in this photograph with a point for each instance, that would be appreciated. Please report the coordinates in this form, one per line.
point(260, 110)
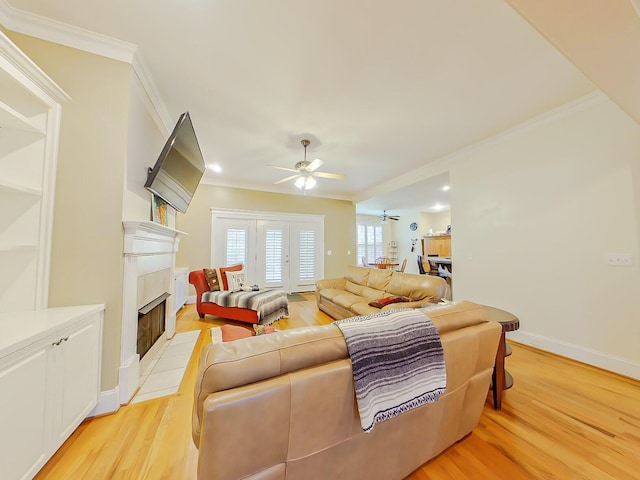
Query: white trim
point(263, 215)
point(64, 34)
point(68, 35)
point(108, 402)
point(128, 378)
point(586, 355)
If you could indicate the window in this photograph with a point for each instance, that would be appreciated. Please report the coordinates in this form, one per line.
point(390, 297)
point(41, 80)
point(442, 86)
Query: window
point(273, 255)
point(369, 243)
point(236, 246)
point(307, 255)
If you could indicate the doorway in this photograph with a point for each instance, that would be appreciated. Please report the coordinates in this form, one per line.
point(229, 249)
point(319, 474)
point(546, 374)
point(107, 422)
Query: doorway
point(278, 250)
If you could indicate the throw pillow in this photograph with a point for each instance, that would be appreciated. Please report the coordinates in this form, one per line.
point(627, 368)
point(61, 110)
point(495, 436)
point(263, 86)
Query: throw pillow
point(263, 329)
point(223, 277)
point(235, 280)
point(388, 301)
point(212, 279)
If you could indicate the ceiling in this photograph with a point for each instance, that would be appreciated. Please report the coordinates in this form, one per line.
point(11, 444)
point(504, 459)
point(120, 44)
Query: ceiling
point(380, 88)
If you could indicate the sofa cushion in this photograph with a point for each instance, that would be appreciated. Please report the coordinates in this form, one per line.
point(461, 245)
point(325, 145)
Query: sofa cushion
point(211, 275)
point(379, 278)
point(347, 299)
point(363, 309)
point(354, 288)
point(416, 286)
point(372, 293)
point(357, 275)
point(223, 270)
point(330, 293)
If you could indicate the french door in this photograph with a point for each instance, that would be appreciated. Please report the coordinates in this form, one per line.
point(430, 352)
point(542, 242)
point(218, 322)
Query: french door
point(278, 250)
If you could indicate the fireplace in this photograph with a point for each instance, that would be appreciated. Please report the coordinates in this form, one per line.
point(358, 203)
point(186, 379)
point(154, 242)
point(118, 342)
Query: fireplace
point(149, 261)
point(151, 323)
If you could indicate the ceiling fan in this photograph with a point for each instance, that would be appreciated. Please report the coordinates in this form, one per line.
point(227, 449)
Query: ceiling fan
point(305, 171)
point(384, 217)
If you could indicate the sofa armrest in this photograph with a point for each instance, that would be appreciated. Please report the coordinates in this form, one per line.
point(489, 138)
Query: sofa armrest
point(337, 283)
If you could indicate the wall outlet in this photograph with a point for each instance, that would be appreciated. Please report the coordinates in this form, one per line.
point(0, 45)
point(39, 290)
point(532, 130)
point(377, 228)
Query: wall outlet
point(348, 252)
point(328, 252)
point(619, 259)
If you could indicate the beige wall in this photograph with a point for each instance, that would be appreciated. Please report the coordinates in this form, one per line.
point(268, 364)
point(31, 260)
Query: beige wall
point(86, 262)
point(339, 223)
point(535, 213)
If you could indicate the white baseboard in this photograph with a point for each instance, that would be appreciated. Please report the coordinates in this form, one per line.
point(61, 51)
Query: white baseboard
point(128, 378)
point(612, 363)
point(108, 402)
point(191, 299)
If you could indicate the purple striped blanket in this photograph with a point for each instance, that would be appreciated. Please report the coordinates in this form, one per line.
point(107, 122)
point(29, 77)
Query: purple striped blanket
point(271, 305)
point(397, 361)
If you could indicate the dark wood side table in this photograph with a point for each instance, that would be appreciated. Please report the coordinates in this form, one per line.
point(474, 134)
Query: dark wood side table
point(501, 379)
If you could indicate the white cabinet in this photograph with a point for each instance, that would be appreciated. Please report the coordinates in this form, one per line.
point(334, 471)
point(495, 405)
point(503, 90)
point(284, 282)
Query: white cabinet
point(49, 379)
point(180, 286)
point(29, 128)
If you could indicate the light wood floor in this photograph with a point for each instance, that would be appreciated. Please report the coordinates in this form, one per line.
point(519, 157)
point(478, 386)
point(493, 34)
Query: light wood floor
point(561, 420)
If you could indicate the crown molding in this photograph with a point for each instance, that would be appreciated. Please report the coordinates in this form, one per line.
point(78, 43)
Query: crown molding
point(70, 36)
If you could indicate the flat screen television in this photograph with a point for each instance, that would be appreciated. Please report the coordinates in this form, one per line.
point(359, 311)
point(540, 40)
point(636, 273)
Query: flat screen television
point(179, 168)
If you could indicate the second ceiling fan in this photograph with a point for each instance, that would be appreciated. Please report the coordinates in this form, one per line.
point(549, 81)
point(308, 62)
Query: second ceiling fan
point(306, 171)
point(384, 217)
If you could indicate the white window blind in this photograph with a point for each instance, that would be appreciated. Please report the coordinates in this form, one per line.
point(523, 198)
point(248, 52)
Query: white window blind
point(273, 255)
point(369, 242)
point(236, 246)
point(307, 255)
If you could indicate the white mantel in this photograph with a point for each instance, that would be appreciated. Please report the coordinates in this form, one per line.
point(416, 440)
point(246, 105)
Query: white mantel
point(149, 259)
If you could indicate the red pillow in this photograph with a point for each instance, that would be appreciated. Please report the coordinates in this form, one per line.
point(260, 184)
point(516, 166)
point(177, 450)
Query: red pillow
point(388, 301)
point(223, 277)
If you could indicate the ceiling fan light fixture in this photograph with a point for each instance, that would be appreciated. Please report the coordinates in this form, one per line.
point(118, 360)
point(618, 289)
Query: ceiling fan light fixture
point(309, 183)
point(300, 182)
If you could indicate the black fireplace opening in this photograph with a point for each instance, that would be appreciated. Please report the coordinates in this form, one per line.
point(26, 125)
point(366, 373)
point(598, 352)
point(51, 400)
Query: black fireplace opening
point(151, 320)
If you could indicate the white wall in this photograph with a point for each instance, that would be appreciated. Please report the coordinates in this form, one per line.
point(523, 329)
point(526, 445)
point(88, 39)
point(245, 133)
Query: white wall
point(145, 138)
point(535, 212)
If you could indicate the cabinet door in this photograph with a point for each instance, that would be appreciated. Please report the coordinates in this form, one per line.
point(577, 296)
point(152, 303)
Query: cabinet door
point(77, 370)
point(23, 400)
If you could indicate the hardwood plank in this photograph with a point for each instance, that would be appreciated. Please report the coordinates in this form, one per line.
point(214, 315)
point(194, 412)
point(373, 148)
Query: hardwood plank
point(561, 420)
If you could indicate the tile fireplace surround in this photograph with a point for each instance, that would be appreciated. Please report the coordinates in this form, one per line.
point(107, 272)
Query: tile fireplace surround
point(149, 259)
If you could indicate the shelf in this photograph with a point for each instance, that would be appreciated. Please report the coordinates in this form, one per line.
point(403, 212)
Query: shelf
point(9, 118)
point(16, 248)
point(10, 187)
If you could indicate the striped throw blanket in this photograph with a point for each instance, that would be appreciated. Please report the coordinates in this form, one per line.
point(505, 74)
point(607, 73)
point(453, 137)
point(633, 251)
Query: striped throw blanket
point(398, 363)
point(270, 305)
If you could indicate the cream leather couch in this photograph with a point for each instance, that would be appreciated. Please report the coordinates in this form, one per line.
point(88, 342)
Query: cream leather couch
point(283, 405)
point(351, 295)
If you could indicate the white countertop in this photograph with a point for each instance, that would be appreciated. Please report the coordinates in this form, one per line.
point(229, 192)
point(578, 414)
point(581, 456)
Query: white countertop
point(20, 329)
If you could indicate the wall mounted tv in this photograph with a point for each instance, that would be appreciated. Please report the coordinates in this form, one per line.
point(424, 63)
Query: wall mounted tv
point(179, 168)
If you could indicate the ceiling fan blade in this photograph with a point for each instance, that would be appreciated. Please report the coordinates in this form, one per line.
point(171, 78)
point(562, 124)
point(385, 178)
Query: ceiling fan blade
point(317, 163)
point(336, 176)
point(283, 168)
point(285, 179)
point(394, 218)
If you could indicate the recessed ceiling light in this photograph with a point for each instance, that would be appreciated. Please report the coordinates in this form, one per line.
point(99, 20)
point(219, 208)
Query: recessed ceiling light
point(215, 167)
point(437, 206)
point(446, 188)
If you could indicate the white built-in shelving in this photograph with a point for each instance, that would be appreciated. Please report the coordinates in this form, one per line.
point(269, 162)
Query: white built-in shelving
point(30, 105)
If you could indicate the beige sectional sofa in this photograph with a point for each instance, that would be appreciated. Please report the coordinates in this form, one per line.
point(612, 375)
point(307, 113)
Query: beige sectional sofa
point(351, 295)
point(282, 406)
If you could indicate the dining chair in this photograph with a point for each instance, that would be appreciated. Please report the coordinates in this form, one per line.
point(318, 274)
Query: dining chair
point(403, 266)
point(421, 266)
point(433, 266)
point(365, 262)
